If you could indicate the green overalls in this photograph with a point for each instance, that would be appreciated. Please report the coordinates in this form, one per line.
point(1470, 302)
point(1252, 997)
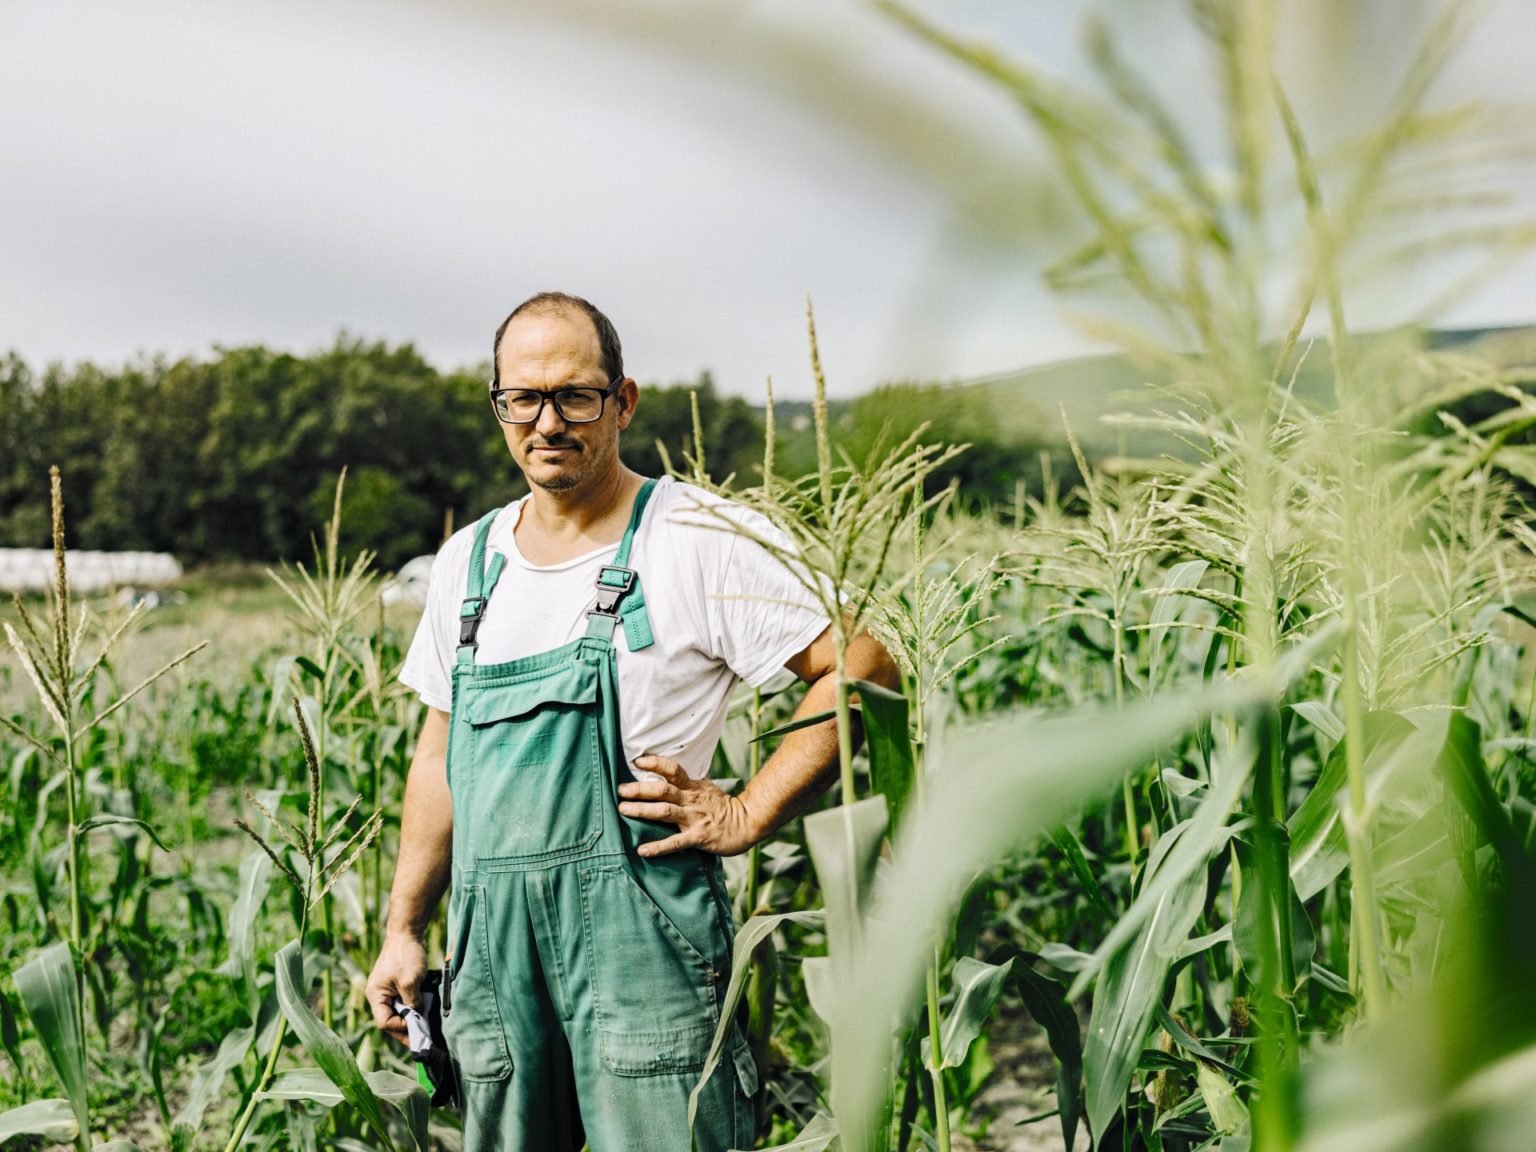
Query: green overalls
point(584, 982)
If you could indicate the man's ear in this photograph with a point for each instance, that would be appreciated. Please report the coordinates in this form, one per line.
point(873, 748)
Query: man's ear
point(628, 397)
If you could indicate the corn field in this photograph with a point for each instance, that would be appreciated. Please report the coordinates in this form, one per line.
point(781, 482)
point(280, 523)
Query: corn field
point(1217, 768)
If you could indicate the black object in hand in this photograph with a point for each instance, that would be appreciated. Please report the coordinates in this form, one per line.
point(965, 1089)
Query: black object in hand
point(424, 1027)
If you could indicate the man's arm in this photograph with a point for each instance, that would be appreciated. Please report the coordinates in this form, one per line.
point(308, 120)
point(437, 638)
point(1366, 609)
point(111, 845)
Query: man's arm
point(421, 875)
point(791, 779)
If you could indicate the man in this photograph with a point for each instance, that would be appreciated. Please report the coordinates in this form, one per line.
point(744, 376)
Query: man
point(576, 656)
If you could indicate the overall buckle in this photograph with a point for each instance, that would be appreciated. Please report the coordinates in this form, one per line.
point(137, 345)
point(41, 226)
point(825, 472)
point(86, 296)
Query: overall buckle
point(613, 582)
point(469, 620)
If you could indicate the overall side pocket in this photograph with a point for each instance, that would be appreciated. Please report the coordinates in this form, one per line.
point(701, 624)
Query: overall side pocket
point(655, 998)
point(472, 1026)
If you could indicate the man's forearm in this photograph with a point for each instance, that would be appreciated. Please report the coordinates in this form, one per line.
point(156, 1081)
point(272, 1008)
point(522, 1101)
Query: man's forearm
point(805, 762)
point(425, 861)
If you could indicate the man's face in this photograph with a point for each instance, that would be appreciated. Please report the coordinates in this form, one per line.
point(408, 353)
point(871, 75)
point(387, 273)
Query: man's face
point(544, 352)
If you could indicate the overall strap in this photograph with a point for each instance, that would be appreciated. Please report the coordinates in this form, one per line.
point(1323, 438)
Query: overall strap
point(477, 589)
point(618, 584)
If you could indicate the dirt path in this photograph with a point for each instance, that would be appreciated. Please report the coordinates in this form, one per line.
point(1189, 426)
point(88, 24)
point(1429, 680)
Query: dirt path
point(1023, 1085)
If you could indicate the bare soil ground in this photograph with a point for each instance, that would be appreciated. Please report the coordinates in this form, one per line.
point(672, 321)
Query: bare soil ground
point(1023, 1085)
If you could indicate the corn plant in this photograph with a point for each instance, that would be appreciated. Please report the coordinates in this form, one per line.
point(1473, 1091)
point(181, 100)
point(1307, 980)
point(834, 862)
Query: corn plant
point(930, 632)
point(50, 650)
point(344, 682)
point(313, 862)
point(841, 522)
point(1303, 500)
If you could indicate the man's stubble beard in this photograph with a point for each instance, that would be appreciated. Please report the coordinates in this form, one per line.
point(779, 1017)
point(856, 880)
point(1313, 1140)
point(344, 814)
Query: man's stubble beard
point(567, 479)
point(561, 483)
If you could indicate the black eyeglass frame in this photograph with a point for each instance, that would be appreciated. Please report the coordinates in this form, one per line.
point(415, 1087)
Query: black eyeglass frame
point(553, 397)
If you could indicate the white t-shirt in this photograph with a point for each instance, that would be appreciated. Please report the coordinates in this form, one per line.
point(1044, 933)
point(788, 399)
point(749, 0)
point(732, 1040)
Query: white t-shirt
point(721, 609)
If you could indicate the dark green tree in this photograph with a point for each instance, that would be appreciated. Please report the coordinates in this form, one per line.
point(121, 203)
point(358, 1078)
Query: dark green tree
point(733, 431)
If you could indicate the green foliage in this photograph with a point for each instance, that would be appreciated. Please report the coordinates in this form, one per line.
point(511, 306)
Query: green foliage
point(235, 458)
point(51, 1119)
point(341, 1077)
point(1006, 436)
point(50, 992)
point(662, 431)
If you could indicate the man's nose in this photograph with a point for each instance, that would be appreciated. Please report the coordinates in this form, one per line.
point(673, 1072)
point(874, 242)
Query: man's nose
point(550, 420)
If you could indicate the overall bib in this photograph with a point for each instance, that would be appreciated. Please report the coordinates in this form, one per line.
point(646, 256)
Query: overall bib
point(583, 984)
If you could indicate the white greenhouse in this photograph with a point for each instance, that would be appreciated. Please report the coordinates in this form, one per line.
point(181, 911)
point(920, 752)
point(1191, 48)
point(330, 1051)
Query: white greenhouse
point(31, 570)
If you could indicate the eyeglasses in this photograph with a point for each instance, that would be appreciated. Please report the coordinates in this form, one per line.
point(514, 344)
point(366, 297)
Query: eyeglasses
point(575, 405)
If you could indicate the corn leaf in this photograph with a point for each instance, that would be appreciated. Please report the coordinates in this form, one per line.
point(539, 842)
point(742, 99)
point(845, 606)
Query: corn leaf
point(316, 1086)
point(977, 987)
point(327, 1048)
point(1318, 849)
point(280, 678)
point(1517, 462)
point(816, 1136)
point(1519, 613)
point(844, 843)
point(1186, 855)
point(796, 725)
point(1461, 761)
point(51, 995)
point(892, 764)
point(816, 971)
point(1064, 956)
point(206, 1083)
point(54, 1120)
point(255, 877)
point(10, 1034)
point(1321, 717)
point(305, 664)
point(1416, 851)
point(1131, 984)
point(119, 825)
point(1171, 599)
point(1006, 782)
point(1494, 1099)
point(748, 937)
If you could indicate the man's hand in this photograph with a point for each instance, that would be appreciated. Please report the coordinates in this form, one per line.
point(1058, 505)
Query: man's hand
point(706, 817)
point(396, 975)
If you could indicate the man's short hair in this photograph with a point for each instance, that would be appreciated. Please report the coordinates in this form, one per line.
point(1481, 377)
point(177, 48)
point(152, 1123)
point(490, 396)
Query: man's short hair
point(561, 303)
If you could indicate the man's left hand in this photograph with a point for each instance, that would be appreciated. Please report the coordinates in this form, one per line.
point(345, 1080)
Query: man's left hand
point(706, 817)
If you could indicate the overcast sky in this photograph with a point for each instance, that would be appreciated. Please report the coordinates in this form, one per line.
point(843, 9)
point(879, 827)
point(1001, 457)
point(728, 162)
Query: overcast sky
point(178, 175)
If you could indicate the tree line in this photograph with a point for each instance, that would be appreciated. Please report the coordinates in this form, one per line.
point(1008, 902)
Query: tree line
point(235, 457)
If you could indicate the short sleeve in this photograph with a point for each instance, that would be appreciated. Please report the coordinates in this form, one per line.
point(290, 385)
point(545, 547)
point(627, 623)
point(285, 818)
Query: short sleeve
point(428, 662)
point(761, 613)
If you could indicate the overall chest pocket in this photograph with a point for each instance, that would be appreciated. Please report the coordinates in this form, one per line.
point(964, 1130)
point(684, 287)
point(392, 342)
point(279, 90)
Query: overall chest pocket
point(529, 786)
